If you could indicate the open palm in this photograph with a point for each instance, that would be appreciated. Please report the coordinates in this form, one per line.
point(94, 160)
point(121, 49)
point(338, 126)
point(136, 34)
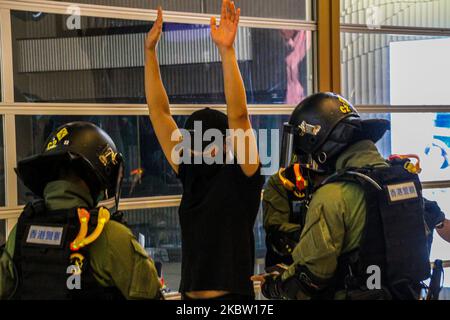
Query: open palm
point(224, 34)
point(154, 34)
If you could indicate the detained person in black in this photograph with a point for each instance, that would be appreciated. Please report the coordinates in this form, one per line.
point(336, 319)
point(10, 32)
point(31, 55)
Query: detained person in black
point(217, 215)
point(220, 201)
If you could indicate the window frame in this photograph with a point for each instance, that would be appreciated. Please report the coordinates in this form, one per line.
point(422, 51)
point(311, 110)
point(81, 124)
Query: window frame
point(326, 70)
point(9, 109)
point(326, 53)
point(394, 30)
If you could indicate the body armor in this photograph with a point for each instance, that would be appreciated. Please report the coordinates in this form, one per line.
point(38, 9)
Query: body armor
point(394, 238)
point(42, 257)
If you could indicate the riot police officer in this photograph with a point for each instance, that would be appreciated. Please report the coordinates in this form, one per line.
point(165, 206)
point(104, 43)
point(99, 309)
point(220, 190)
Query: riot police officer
point(285, 204)
point(285, 200)
point(364, 214)
point(63, 247)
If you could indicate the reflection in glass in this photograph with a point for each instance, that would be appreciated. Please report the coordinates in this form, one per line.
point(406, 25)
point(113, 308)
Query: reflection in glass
point(103, 62)
point(269, 145)
point(427, 135)
point(159, 231)
point(410, 13)
point(135, 138)
point(395, 69)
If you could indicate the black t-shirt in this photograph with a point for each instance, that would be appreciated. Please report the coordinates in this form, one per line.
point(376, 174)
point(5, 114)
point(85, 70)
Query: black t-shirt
point(217, 214)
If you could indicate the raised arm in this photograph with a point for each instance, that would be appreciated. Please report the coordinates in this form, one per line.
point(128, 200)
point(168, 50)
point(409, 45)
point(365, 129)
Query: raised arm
point(245, 147)
point(157, 100)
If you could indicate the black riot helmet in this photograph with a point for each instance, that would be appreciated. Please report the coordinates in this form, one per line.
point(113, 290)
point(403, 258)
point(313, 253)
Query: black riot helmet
point(87, 150)
point(322, 126)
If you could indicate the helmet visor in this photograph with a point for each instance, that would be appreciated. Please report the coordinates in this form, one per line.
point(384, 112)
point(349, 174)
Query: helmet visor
point(287, 145)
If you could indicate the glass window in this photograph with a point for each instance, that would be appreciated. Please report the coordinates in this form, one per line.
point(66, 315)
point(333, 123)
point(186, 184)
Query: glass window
point(395, 69)
point(103, 62)
point(134, 137)
point(284, 9)
point(440, 249)
point(159, 231)
point(269, 132)
point(408, 13)
point(424, 134)
point(2, 232)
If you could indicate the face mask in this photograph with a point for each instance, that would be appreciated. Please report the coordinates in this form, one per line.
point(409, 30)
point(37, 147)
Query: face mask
point(204, 164)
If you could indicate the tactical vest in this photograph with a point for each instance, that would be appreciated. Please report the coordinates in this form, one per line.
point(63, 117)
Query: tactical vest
point(281, 244)
point(42, 257)
point(394, 238)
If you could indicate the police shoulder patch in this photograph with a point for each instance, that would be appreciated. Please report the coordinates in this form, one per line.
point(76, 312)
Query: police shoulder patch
point(402, 191)
point(45, 235)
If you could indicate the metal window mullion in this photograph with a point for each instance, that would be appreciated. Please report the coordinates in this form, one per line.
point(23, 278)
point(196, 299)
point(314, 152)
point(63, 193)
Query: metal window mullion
point(9, 135)
point(125, 109)
point(6, 56)
point(329, 48)
point(126, 13)
point(436, 184)
point(12, 213)
point(403, 109)
point(399, 30)
point(150, 203)
point(186, 109)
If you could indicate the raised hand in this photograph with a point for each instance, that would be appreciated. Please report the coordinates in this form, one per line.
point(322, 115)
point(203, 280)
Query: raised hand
point(154, 34)
point(224, 34)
